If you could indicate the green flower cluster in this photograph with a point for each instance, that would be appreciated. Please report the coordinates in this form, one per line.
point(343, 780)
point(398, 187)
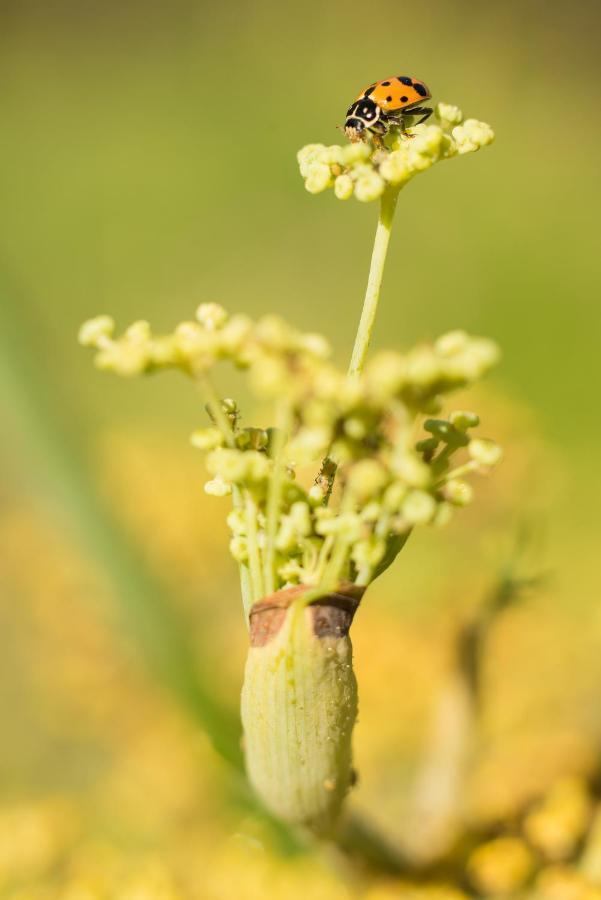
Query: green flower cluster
point(396, 465)
point(364, 171)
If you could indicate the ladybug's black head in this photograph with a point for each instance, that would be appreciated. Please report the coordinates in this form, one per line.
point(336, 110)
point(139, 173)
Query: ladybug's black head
point(362, 115)
point(354, 129)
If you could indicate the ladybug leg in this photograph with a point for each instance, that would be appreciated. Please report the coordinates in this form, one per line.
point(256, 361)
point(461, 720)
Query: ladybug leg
point(379, 130)
point(424, 111)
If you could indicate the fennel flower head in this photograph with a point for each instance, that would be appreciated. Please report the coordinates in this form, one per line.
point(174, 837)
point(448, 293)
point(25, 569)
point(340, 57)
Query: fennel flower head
point(363, 171)
point(393, 477)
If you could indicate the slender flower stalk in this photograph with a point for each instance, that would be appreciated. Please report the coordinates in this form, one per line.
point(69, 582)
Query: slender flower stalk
point(388, 203)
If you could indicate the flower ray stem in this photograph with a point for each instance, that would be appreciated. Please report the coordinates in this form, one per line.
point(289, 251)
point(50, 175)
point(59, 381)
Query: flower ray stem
point(274, 498)
point(215, 408)
point(254, 555)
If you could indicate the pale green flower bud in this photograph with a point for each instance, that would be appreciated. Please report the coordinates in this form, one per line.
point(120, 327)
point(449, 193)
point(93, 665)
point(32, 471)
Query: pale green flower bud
point(485, 452)
point(315, 344)
point(138, 332)
point(308, 444)
point(462, 419)
point(206, 438)
point(355, 153)
point(237, 522)
point(196, 343)
point(355, 428)
point(291, 572)
point(164, 351)
point(319, 178)
point(300, 516)
point(270, 376)
point(472, 135)
point(443, 515)
point(458, 492)
point(124, 357)
point(395, 168)
point(274, 333)
point(448, 114)
point(286, 538)
point(96, 331)
point(418, 507)
point(371, 511)
point(307, 156)
point(394, 496)
point(369, 187)
point(423, 367)
point(385, 374)
point(411, 469)
point(343, 187)
point(451, 343)
point(238, 465)
point(348, 524)
point(368, 552)
point(315, 495)
point(366, 479)
point(473, 362)
point(426, 142)
point(235, 333)
point(217, 487)
point(332, 155)
point(239, 548)
point(211, 316)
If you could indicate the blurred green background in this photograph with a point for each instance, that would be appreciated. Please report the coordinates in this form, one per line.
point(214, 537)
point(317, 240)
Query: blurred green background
point(147, 164)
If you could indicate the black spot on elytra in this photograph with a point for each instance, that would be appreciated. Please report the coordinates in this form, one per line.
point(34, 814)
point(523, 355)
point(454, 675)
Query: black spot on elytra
point(404, 99)
point(385, 83)
point(404, 79)
point(388, 99)
point(420, 89)
point(370, 90)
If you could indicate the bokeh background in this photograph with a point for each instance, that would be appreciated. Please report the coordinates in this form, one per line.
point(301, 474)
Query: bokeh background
point(147, 164)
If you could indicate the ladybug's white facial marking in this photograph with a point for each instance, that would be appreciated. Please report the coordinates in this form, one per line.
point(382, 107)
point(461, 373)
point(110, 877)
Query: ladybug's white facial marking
point(362, 116)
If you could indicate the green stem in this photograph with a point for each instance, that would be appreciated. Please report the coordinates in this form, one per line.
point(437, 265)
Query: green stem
point(254, 554)
point(374, 282)
point(274, 497)
point(215, 407)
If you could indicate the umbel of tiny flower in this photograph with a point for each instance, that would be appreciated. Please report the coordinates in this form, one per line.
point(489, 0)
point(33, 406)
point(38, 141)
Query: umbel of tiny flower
point(286, 530)
point(361, 171)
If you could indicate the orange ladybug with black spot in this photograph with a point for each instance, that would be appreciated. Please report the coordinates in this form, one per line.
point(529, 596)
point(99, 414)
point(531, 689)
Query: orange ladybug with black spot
point(386, 103)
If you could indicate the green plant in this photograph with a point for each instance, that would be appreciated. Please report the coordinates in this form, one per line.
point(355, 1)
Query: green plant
point(324, 500)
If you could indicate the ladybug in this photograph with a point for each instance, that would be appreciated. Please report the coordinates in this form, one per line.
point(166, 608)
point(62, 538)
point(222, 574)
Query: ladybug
point(385, 103)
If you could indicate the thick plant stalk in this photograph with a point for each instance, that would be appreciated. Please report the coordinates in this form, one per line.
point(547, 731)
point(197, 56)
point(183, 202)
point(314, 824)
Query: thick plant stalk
point(299, 704)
